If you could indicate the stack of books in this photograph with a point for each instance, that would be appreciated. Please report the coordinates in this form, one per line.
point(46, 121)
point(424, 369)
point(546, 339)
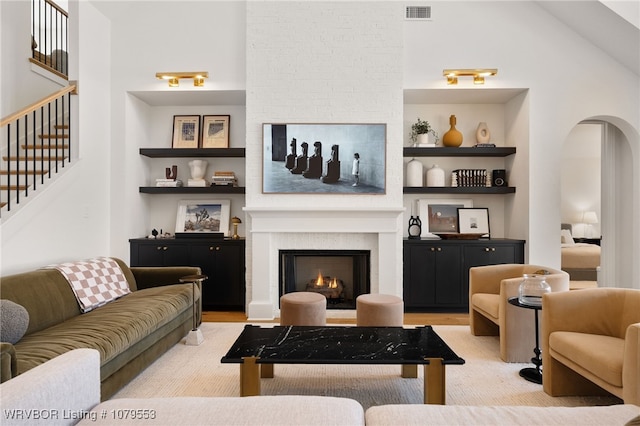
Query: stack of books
point(470, 177)
point(171, 183)
point(224, 178)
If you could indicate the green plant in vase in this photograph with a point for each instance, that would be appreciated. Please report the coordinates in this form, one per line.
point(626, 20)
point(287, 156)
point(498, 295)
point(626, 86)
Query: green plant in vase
point(420, 131)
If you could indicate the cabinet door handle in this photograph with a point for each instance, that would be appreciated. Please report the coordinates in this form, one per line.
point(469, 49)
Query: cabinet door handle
point(158, 248)
point(489, 249)
point(439, 249)
point(165, 248)
point(433, 249)
point(211, 248)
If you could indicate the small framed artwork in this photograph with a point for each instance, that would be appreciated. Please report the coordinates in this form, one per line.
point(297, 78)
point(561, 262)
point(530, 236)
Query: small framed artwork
point(186, 131)
point(197, 217)
point(473, 221)
point(215, 131)
point(440, 215)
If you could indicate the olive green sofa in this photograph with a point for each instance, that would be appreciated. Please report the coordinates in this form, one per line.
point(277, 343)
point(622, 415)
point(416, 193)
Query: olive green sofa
point(129, 333)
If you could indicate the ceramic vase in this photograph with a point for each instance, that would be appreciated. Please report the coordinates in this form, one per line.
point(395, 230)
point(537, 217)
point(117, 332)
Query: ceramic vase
point(414, 173)
point(435, 176)
point(424, 139)
point(453, 137)
point(483, 135)
point(198, 169)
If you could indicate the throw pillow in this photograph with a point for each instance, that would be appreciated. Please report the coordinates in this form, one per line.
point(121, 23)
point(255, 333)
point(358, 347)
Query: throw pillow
point(14, 320)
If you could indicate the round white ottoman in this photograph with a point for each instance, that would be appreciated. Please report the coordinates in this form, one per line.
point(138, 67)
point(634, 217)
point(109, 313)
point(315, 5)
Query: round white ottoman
point(303, 308)
point(379, 310)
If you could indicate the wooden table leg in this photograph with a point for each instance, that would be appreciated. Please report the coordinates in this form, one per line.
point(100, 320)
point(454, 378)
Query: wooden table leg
point(249, 377)
point(266, 371)
point(410, 371)
point(434, 382)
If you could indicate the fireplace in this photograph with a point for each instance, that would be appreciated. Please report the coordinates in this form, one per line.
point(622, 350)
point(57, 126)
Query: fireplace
point(339, 275)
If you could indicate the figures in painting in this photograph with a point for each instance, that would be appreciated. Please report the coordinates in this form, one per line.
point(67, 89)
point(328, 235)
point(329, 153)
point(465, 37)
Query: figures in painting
point(314, 167)
point(355, 171)
point(333, 166)
point(301, 160)
point(290, 160)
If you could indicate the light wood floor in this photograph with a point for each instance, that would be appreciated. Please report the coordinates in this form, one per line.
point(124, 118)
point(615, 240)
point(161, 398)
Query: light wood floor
point(410, 318)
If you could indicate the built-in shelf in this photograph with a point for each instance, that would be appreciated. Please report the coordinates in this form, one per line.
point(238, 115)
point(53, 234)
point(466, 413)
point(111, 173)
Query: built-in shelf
point(459, 190)
point(219, 189)
point(192, 152)
point(459, 152)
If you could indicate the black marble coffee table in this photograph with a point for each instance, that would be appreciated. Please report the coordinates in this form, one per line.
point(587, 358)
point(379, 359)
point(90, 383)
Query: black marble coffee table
point(258, 347)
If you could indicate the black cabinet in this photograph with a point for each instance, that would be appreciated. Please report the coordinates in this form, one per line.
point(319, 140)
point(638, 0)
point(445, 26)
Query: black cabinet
point(223, 261)
point(436, 272)
point(429, 279)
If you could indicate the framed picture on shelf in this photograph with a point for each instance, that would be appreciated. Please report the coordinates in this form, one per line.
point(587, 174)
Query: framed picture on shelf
point(333, 158)
point(440, 215)
point(215, 131)
point(197, 217)
point(473, 221)
point(186, 131)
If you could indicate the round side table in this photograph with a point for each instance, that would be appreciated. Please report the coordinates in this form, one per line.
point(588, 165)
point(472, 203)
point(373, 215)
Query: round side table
point(194, 338)
point(532, 374)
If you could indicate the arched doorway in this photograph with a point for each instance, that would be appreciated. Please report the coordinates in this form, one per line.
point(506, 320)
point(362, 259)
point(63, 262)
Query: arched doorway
point(606, 184)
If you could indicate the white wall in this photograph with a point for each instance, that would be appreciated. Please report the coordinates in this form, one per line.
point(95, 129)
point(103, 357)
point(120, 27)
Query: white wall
point(70, 220)
point(569, 81)
point(150, 37)
point(581, 177)
point(20, 86)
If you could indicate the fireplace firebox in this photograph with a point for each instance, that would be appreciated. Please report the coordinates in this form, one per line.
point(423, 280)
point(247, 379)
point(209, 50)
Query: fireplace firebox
point(339, 275)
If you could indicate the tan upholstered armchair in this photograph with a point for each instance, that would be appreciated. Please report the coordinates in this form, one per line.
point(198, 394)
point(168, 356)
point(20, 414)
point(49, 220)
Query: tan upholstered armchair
point(490, 288)
point(591, 343)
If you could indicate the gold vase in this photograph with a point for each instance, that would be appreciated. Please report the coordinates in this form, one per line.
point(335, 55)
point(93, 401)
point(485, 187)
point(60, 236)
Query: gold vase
point(453, 137)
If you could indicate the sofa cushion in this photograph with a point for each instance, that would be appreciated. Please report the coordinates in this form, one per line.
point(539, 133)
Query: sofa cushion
point(598, 354)
point(406, 415)
point(487, 303)
point(111, 329)
point(14, 321)
point(276, 410)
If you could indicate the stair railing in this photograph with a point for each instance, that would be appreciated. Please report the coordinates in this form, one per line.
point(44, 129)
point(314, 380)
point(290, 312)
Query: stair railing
point(50, 36)
point(35, 145)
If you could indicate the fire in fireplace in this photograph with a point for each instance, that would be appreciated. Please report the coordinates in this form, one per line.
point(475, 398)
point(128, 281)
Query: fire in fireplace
point(339, 275)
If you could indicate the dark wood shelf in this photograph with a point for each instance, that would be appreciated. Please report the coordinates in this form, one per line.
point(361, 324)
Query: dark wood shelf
point(459, 190)
point(192, 152)
point(459, 152)
point(193, 190)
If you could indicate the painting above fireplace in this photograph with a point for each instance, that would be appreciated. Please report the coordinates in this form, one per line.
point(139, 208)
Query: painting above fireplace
point(339, 275)
point(324, 158)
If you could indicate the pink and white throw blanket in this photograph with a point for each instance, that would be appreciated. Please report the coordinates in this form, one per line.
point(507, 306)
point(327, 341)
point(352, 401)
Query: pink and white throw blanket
point(95, 282)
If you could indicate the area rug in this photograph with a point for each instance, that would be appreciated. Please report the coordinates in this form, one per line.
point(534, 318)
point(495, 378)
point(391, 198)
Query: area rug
point(483, 380)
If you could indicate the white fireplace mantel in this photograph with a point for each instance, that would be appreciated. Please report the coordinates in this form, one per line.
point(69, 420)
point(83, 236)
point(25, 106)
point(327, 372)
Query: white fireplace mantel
point(265, 223)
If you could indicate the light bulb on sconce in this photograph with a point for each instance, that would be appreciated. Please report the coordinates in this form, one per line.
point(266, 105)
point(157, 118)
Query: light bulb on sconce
point(478, 74)
point(174, 77)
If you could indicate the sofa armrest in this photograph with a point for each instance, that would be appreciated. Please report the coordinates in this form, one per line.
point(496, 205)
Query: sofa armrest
point(631, 365)
point(69, 383)
point(155, 276)
point(8, 362)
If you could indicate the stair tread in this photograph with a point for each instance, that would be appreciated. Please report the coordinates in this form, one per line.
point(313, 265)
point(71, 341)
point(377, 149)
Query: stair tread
point(38, 158)
point(54, 136)
point(46, 146)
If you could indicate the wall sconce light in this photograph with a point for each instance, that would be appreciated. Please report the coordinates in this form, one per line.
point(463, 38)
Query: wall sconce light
point(478, 74)
point(174, 77)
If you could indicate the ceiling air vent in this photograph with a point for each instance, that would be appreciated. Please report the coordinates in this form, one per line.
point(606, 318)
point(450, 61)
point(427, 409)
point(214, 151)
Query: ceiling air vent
point(417, 13)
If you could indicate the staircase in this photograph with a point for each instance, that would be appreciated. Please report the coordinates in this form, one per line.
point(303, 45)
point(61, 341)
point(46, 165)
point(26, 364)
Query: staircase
point(35, 147)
